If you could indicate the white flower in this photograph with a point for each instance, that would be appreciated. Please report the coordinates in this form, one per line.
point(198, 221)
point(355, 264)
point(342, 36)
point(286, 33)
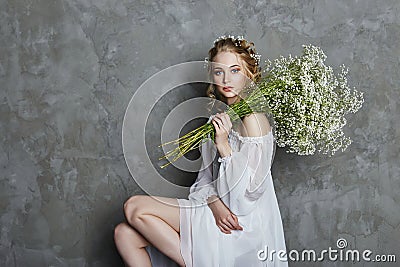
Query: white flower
point(309, 102)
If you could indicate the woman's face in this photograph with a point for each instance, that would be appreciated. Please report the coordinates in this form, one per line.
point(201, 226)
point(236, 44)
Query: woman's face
point(229, 76)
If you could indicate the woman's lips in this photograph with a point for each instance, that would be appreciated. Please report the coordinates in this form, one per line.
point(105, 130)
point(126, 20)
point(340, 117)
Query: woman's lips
point(227, 89)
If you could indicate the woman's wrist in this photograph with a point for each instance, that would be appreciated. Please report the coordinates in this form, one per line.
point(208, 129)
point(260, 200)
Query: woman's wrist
point(212, 200)
point(224, 149)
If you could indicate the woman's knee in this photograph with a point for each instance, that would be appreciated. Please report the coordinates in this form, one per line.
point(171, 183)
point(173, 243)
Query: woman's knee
point(134, 207)
point(124, 233)
point(137, 207)
point(121, 231)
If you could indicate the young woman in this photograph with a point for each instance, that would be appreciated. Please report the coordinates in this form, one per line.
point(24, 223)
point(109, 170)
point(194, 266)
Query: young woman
point(231, 216)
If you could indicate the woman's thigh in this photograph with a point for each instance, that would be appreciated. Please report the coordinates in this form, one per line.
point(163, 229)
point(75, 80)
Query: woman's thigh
point(167, 209)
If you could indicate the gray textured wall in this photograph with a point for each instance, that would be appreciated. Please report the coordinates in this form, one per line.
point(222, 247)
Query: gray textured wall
point(69, 68)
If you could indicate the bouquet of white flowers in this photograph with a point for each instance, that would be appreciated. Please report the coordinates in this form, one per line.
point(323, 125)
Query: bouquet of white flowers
point(307, 101)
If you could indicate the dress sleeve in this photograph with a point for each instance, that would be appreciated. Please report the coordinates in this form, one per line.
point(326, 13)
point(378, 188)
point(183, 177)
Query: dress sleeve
point(242, 175)
point(205, 186)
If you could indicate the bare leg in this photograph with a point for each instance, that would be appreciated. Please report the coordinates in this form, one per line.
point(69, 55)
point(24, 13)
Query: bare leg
point(131, 246)
point(157, 221)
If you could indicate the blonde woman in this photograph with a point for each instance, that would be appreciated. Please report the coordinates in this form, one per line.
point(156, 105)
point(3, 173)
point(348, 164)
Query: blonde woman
point(231, 216)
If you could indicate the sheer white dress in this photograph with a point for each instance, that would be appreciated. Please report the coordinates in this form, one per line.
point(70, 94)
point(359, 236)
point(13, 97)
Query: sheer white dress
point(244, 183)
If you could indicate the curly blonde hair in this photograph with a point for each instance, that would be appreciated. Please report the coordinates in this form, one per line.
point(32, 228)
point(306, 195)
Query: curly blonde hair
point(244, 49)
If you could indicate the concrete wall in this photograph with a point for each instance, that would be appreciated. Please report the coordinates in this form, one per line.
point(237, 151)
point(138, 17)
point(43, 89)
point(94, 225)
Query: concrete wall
point(69, 68)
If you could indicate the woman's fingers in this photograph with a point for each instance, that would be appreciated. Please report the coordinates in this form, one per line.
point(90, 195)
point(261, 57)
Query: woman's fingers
point(218, 120)
point(228, 223)
point(227, 120)
point(224, 117)
point(216, 125)
point(224, 228)
point(239, 227)
point(222, 121)
point(234, 223)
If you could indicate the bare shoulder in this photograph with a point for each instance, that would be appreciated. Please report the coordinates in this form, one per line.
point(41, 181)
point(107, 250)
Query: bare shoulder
point(256, 124)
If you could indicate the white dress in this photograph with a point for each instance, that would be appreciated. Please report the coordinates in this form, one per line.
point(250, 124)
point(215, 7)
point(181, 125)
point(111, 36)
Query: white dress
point(244, 183)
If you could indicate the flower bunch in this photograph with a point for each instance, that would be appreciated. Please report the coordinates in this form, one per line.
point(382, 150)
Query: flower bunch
point(307, 100)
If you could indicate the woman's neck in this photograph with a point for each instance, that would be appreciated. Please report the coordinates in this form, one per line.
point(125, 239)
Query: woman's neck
point(232, 100)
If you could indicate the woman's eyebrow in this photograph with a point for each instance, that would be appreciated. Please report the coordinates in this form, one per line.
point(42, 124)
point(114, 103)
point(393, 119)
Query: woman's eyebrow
point(229, 67)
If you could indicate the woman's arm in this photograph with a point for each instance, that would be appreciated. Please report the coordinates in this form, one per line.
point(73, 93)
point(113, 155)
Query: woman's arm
point(255, 125)
point(204, 186)
point(242, 173)
point(224, 218)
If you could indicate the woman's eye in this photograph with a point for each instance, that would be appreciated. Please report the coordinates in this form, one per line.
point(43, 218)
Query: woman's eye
point(217, 72)
point(235, 70)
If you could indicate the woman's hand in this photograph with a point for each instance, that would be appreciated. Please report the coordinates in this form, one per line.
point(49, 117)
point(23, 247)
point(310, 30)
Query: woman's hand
point(222, 124)
point(224, 218)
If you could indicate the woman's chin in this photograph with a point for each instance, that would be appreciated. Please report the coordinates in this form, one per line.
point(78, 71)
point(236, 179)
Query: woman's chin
point(232, 100)
point(229, 94)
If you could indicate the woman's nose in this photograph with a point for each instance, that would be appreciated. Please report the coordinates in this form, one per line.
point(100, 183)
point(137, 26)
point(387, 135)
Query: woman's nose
point(226, 78)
